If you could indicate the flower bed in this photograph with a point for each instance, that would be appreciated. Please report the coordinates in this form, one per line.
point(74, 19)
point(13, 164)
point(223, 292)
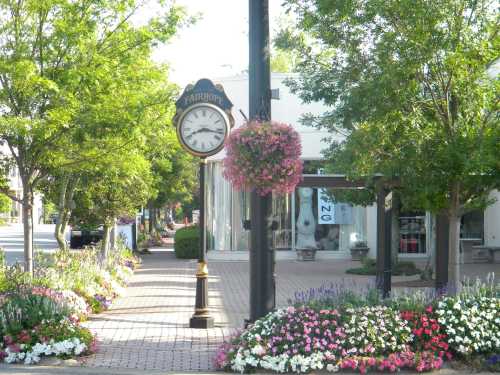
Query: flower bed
point(365, 333)
point(41, 316)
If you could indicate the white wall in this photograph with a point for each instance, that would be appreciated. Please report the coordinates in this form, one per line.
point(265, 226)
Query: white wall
point(126, 232)
point(492, 221)
point(371, 230)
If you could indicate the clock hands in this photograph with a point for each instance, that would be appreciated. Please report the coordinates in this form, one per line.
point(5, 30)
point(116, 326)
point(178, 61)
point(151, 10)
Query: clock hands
point(205, 130)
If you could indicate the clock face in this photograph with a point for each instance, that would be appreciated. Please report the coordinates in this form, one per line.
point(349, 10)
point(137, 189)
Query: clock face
point(203, 129)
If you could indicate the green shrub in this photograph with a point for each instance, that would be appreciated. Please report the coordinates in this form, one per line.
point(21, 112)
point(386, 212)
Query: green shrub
point(187, 243)
point(369, 267)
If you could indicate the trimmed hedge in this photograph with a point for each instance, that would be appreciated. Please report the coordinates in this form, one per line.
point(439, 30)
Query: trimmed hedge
point(187, 243)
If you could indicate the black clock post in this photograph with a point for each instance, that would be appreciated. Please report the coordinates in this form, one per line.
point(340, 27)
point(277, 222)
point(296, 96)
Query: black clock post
point(201, 317)
point(198, 100)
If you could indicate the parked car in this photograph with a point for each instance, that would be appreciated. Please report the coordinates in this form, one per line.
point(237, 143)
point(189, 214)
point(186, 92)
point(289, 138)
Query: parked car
point(80, 237)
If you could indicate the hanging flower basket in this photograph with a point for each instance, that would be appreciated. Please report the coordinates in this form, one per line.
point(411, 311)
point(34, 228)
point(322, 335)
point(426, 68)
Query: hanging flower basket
point(264, 156)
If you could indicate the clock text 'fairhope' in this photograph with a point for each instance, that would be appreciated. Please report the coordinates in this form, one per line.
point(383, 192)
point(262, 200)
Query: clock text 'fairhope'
point(203, 97)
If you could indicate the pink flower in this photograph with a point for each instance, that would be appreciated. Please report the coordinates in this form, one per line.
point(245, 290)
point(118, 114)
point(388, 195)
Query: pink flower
point(265, 157)
point(8, 340)
point(14, 348)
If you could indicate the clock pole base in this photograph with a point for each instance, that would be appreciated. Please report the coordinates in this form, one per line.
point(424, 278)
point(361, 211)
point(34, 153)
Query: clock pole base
point(201, 322)
point(201, 317)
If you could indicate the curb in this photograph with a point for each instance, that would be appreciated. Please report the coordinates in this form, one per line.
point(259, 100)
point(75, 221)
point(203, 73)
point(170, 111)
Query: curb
point(79, 370)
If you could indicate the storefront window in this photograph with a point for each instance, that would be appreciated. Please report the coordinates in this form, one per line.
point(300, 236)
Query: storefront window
point(282, 215)
point(310, 217)
point(241, 212)
point(412, 233)
point(323, 223)
point(218, 208)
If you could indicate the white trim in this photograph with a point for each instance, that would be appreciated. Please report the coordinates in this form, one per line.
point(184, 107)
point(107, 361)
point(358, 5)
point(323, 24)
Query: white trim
point(242, 256)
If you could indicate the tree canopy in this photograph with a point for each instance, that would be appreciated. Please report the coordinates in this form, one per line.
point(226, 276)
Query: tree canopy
point(407, 83)
point(72, 83)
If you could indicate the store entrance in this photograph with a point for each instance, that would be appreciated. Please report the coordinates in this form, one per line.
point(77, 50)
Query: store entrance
point(312, 217)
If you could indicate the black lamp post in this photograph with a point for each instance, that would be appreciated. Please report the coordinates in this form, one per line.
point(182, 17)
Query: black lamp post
point(201, 317)
point(262, 279)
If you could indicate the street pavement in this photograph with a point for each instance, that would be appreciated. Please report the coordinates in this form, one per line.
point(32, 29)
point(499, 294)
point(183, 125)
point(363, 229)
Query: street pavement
point(11, 240)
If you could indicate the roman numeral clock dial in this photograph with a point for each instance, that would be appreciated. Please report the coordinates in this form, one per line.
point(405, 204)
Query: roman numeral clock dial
point(203, 129)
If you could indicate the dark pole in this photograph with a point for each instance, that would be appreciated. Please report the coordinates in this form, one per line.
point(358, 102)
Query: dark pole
point(201, 317)
point(442, 252)
point(384, 213)
point(262, 286)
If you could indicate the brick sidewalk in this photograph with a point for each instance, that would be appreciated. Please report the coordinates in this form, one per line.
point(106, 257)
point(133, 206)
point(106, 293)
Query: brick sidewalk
point(147, 328)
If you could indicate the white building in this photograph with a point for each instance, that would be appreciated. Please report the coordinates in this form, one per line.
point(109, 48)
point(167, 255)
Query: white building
point(227, 208)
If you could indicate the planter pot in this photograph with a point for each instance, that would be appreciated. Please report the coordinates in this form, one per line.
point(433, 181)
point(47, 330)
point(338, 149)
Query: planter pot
point(306, 254)
point(358, 253)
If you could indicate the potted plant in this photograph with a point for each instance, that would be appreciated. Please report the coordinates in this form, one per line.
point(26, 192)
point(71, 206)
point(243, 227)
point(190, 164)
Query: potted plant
point(359, 250)
point(306, 254)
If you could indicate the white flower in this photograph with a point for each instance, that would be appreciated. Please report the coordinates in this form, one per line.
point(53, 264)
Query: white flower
point(332, 368)
point(258, 350)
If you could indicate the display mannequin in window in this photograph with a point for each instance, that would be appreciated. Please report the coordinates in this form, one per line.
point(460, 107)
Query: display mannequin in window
point(306, 224)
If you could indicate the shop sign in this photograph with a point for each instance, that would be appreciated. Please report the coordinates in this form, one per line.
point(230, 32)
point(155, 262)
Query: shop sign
point(330, 212)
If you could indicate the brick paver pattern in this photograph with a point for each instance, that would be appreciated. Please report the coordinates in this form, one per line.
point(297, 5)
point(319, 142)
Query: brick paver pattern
point(148, 328)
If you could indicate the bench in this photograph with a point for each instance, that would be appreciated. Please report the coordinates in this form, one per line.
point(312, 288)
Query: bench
point(466, 249)
point(492, 251)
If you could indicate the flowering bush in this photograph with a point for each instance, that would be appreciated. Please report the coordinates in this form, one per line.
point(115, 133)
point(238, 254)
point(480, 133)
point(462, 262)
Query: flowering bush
point(60, 338)
point(375, 330)
point(304, 339)
point(472, 323)
point(264, 156)
point(420, 361)
point(67, 298)
point(40, 315)
point(286, 340)
point(365, 332)
point(427, 332)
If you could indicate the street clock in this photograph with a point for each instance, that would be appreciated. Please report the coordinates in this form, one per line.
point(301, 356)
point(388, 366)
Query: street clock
point(203, 129)
point(203, 118)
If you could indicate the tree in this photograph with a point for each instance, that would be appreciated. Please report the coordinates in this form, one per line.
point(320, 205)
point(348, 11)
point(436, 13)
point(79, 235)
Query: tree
point(117, 189)
point(407, 84)
point(282, 61)
point(175, 180)
point(54, 56)
point(5, 204)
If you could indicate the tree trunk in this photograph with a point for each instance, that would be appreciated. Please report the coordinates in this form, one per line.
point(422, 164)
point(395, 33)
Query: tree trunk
point(454, 284)
point(105, 241)
point(66, 195)
point(28, 228)
point(152, 218)
point(59, 233)
point(112, 241)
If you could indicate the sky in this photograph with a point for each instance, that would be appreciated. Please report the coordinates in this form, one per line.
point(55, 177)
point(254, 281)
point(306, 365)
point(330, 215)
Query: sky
point(216, 46)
